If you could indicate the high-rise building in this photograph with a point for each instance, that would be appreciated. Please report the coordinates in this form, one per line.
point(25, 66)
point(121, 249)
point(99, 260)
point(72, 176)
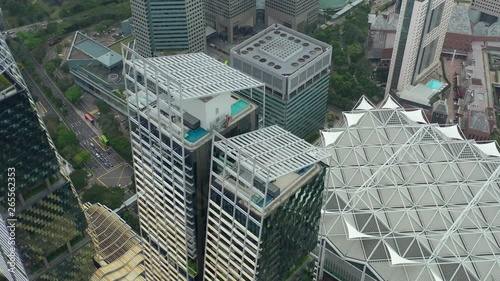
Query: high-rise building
point(419, 39)
point(296, 14)
point(408, 200)
point(489, 7)
point(266, 189)
point(230, 16)
point(168, 26)
point(42, 228)
point(296, 71)
point(177, 103)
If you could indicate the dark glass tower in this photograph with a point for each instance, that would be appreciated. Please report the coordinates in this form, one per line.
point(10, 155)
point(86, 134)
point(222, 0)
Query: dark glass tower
point(42, 226)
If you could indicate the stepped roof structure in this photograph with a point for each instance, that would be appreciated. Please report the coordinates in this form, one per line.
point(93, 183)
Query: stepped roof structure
point(411, 200)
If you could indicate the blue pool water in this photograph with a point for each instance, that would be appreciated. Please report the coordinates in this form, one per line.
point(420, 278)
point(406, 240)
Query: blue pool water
point(261, 202)
point(194, 135)
point(435, 84)
point(238, 106)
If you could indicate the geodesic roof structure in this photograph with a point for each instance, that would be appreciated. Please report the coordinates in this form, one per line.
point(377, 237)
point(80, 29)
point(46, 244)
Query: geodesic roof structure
point(411, 200)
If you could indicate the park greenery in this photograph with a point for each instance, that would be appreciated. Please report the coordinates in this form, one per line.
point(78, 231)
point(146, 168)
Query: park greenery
point(73, 93)
point(111, 197)
point(51, 65)
point(131, 219)
point(27, 67)
point(76, 14)
point(352, 74)
point(66, 142)
point(79, 179)
point(110, 127)
point(65, 16)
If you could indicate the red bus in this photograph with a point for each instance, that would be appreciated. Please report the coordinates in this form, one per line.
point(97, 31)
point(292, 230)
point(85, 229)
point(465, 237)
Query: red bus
point(88, 117)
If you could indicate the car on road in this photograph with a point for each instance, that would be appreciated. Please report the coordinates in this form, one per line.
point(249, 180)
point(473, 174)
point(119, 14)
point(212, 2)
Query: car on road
point(109, 152)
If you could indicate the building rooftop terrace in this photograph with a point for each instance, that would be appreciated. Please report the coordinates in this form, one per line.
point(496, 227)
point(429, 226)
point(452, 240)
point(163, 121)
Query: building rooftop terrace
point(281, 49)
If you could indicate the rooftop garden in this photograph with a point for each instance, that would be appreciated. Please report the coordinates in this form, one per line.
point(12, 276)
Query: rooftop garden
point(352, 74)
point(193, 267)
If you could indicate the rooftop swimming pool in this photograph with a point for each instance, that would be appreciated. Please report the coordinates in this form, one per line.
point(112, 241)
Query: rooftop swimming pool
point(435, 84)
point(238, 106)
point(260, 201)
point(195, 135)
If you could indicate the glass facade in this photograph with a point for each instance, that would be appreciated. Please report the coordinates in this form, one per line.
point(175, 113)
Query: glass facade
point(303, 113)
point(45, 227)
point(290, 233)
point(24, 145)
point(49, 227)
point(436, 17)
point(428, 55)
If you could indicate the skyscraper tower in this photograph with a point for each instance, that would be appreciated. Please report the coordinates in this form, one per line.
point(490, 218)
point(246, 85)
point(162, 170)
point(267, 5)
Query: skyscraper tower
point(165, 26)
point(41, 226)
point(296, 71)
point(265, 199)
point(419, 39)
point(296, 14)
point(228, 15)
point(177, 103)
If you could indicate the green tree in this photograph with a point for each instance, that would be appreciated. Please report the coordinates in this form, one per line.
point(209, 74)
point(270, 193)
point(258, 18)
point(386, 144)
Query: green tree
point(131, 219)
point(107, 23)
point(381, 74)
point(73, 93)
point(79, 179)
point(51, 65)
point(355, 52)
point(82, 157)
point(112, 197)
point(100, 27)
point(66, 137)
point(122, 146)
point(102, 106)
point(64, 84)
point(51, 28)
point(39, 53)
point(65, 67)
point(68, 152)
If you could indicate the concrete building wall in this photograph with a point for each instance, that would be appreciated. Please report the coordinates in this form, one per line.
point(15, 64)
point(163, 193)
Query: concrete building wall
point(462, 43)
point(295, 14)
point(224, 15)
point(164, 26)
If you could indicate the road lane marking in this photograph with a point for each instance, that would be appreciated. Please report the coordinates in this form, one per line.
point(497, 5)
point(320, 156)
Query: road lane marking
point(44, 110)
point(109, 171)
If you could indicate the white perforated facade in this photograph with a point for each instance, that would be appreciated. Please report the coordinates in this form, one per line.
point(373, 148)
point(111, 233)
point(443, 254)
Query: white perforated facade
point(490, 7)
